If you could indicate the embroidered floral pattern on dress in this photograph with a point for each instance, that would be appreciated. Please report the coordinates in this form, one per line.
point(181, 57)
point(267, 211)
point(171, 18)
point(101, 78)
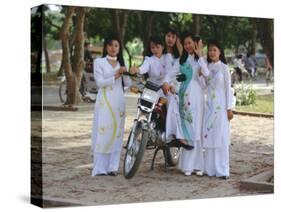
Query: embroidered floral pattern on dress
point(211, 82)
point(184, 109)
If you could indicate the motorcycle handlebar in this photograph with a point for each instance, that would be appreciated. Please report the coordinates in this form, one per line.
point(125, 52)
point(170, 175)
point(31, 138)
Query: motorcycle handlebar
point(129, 74)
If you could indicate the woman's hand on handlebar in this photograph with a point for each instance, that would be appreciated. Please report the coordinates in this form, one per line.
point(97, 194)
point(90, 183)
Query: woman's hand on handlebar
point(166, 88)
point(134, 69)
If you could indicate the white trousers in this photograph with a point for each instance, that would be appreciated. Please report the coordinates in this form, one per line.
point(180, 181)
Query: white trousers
point(105, 163)
point(217, 161)
point(192, 159)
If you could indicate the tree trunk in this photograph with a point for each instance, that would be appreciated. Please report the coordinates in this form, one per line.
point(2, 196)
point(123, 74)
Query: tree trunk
point(196, 24)
point(70, 78)
point(254, 38)
point(47, 59)
point(119, 19)
point(145, 21)
point(78, 59)
point(265, 35)
point(60, 71)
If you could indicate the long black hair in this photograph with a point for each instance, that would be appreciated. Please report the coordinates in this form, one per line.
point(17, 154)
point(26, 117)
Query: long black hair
point(215, 43)
point(108, 41)
point(175, 53)
point(157, 41)
point(184, 55)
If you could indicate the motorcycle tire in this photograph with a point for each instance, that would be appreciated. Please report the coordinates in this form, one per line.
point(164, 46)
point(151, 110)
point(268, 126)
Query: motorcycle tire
point(128, 174)
point(172, 156)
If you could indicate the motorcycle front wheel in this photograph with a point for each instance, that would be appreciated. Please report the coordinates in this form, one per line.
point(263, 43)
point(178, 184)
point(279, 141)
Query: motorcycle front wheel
point(136, 146)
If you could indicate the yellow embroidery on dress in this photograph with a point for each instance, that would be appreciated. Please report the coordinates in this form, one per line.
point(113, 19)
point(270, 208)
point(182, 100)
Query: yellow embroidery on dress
point(102, 103)
point(107, 147)
point(102, 130)
point(122, 114)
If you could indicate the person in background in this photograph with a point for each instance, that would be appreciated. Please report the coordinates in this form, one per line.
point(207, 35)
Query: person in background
point(250, 65)
point(238, 65)
point(88, 59)
point(269, 70)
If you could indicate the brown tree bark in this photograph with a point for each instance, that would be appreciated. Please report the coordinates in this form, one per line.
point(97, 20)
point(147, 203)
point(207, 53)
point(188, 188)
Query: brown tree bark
point(119, 19)
point(78, 59)
point(145, 21)
point(196, 25)
point(254, 41)
point(66, 59)
point(267, 38)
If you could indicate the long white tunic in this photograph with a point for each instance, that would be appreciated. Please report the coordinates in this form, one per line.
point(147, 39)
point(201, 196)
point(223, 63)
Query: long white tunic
point(216, 128)
point(194, 99)
point(193, 116)
point(173, 121)
point(109, 115)
point(219, 100)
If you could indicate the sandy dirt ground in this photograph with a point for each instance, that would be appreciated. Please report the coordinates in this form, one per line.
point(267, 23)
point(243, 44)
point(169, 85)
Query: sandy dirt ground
point(67, 163)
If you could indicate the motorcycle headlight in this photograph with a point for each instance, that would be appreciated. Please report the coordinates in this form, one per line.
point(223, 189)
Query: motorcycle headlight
point(150, 95)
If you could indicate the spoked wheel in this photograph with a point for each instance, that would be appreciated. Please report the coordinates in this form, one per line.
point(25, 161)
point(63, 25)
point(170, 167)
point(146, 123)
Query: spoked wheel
point(63, 91)
point(135, 149)
point(172, 157)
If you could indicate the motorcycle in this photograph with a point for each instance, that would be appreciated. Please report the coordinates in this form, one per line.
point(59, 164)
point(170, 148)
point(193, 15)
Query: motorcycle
point(88, 88)
point(148, 131)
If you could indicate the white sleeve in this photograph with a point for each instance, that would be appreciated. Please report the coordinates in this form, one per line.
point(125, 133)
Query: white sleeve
point(233, 98)
point(204, 67)
point(228, 91)
point(144, 68)
point(202, 82)
point(98, 75)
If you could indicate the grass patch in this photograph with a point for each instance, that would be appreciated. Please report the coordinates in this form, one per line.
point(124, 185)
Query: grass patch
point(264, 104)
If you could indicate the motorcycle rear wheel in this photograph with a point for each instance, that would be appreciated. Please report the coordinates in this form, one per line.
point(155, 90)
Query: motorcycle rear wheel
point(172, 157)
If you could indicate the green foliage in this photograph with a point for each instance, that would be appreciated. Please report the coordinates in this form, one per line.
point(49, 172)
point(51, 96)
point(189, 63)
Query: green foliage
point(228, 30)
point(52, 22)
point(246, 95)
point(264, 104)
point(180, 21)
point(135, 47)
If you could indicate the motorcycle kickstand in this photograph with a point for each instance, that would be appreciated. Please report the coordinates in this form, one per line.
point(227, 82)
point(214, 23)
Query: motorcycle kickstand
point(153, 159)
